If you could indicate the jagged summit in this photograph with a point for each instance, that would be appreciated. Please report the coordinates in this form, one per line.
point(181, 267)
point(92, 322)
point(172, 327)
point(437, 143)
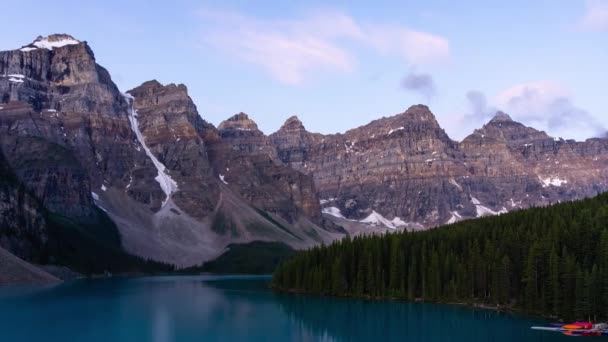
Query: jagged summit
point(151, 83)
point(504, 128)
point(51, 42)
point(240, 121)
point(154, 86)
point(293, 123)
point(420, 112)
point(501, 117)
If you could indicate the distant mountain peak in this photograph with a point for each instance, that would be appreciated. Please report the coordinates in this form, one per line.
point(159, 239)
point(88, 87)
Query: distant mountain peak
point(292, 123)
point(420, 112)
point(503, 127)
point(240, 121)
point(51, 42)
point(501, 117)
point(151, 83)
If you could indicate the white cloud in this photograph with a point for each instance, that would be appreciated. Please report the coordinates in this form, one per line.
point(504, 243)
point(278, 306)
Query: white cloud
point(544, 105)
point(531, 97)
point(290, 50)
point(548, 105)
point(596, 16)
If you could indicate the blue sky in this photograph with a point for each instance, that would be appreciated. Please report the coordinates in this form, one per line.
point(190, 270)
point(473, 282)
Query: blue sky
point(341, 64)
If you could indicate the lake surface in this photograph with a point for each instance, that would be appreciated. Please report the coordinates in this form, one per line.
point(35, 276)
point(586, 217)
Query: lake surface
point(210, 308)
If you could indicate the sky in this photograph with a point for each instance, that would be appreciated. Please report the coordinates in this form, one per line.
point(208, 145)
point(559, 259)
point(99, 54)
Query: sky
point(340, 64)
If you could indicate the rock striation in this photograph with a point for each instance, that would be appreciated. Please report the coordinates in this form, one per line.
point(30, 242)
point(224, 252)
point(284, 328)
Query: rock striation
point(404, 171)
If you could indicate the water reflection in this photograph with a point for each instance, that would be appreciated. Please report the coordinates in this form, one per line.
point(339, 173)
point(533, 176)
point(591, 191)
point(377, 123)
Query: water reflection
point(232, 309)
point(357, 320)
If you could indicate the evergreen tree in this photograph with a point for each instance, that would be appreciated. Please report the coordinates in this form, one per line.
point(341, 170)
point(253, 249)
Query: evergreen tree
point(551, 260)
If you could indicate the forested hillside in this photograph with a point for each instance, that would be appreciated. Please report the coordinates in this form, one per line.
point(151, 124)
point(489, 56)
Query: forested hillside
point(550, 261)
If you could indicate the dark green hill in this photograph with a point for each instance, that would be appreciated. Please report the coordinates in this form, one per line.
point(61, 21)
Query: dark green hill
point(550, 261)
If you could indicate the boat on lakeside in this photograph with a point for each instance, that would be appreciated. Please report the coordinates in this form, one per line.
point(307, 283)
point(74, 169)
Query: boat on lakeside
point(578, 329)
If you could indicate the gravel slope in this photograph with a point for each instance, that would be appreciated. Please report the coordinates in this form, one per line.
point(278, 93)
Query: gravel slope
point(14, 271)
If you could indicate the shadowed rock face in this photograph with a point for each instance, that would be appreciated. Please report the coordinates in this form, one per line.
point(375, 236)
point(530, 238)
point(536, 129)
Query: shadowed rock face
point(23, 228)
point(247, 161)
point(406, 166)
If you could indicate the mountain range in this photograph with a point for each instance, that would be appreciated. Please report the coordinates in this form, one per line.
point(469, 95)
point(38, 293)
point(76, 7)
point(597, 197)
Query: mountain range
point(142, 173)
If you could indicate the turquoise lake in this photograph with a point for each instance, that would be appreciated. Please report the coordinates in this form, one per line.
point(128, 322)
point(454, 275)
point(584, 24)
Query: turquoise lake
point(210, 308)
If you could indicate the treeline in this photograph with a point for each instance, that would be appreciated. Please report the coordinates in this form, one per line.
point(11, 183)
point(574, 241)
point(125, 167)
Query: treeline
point(550, 261)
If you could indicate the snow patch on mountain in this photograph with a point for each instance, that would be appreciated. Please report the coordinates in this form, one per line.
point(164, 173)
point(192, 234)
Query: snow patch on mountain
point(454, 218)
point(333, 211)
point(349, 146)
point(454, 183)
point(222, 179)
point(395, 130)
point(167, 184)
point(45, 43)
point(554, 181)
point(375, 219)
point(485, 211)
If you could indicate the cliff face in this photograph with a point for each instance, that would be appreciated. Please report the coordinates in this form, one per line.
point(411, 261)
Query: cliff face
point(246, 161)
point(237, 155)
point(398, 166)
point(179, 190)
point(145, 157)
point(23, 228)
point(53, 89)
point(405, 172)
point(170, 124)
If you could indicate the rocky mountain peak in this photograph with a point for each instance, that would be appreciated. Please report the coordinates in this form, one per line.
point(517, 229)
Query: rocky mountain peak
point(239, 122)
point(51, 42)
point(501, 117)
point(420, 112)
point(151, 84)
point(504, 128)
point(292, 124)
point(163, 93)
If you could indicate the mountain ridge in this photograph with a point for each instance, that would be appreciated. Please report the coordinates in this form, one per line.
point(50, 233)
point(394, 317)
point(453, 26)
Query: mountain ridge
point(180, 189)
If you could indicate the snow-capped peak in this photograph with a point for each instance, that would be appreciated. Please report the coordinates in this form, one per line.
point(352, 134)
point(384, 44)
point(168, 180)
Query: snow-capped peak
point(51, 42)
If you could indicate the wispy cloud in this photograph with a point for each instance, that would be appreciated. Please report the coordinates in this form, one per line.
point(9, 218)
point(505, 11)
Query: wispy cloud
point(596, 16)
point(548, 105)
point(479, 109)
point(544, 105)
point(421, 83)
point(291, 50)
